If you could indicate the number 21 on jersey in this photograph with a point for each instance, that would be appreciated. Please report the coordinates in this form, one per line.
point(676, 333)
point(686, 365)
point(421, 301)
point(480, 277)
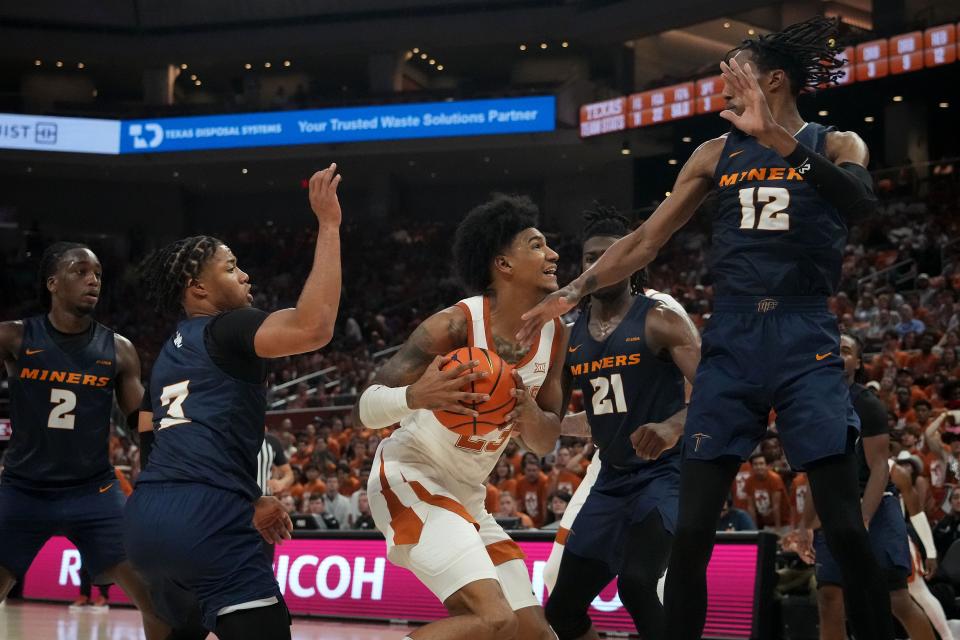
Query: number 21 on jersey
point(602, 404)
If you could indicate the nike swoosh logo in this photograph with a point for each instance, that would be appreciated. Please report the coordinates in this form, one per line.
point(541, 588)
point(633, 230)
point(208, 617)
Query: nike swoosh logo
point(33, 352)
point(573, 349)
point(736, 153)
point(106, 488)
point(821, 357)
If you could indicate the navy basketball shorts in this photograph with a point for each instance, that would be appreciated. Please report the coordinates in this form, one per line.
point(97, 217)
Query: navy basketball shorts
point(888, 540)
point(188, 538)
point(619, 499)
point(763, 353)
point(90, 516)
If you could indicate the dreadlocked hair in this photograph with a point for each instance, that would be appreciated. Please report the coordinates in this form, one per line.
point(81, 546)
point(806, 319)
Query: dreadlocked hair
point(167, 271)
point(860, 375)
point(806, 51)
point(604, 220)
point(49, 262)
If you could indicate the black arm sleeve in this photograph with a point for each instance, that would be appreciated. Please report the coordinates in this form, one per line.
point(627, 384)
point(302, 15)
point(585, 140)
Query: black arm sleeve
point(229, 341)
point(279, 457)
point(847, 186)
point(146, 437)
point(873, 415)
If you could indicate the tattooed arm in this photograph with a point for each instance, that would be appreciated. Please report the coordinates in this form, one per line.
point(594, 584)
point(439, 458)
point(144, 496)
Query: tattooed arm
point(417, 364)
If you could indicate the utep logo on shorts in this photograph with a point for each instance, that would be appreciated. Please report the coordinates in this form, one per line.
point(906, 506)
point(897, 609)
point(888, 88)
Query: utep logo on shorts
point(699, 438)
point(46, 133)
point(140, 142)
point(178, 340)
point(767, 304)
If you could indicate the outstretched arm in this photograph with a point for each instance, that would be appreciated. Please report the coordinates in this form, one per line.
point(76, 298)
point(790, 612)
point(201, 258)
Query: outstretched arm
point(309, 325)
point(637, 249)
point(670, 333)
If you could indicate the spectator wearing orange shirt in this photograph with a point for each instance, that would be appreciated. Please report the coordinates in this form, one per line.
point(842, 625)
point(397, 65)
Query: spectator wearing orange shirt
point(508, 509)
point(924, 363)
point(766, 494)
point(740, 498)
point(492, 502)
point(503, 476)
point(561, 479)
point(313, 486)
point(532, 491)
point(348, 481)
point(890, 357)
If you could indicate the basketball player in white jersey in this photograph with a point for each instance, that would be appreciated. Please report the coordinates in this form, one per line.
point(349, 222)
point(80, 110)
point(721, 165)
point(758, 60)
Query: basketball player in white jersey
point(426, 490)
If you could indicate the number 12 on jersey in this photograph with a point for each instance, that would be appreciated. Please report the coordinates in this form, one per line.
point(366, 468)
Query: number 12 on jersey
point(773, 203)
point(601, 389)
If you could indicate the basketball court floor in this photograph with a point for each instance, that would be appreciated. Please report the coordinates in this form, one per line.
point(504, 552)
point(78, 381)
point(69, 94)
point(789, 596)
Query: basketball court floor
point(36, 621)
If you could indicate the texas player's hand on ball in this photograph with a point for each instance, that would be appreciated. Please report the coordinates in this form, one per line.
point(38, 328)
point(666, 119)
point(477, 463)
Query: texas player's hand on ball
point(526, 409)
point(272, 520)
point(653, 438)
point(438, 389)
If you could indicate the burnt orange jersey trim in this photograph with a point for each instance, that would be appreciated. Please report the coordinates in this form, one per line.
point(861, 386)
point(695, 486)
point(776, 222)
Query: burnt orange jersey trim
point(504, 551)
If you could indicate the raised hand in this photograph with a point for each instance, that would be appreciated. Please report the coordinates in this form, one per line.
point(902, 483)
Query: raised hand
point(323, 195)
point(438, 389)
point(756, 119)
point(553, 306)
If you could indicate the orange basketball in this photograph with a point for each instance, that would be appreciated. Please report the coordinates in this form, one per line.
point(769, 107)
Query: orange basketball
point(497, 385)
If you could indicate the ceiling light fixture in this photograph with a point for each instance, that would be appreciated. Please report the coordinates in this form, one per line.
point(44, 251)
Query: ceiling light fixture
point(523, 47)
point(898, 98)
point(564, 44)
point(248, 66)
point(686, 139)
point(672, 161)
point(286, 63)
point(439, 67)
point(823, 112)
point(543, 45)
point(868, 119)
point(184, 66)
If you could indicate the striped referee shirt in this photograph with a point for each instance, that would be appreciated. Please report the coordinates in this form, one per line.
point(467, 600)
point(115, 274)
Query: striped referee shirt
point(271, 455)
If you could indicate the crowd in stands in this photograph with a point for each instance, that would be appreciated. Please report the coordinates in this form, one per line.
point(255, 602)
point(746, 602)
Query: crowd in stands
point(898, 294)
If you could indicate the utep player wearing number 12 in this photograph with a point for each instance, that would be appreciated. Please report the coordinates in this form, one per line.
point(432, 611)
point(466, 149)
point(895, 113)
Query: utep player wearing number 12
point(64, 370)
point(426, 490)
point(784, 188)
point(194, 517)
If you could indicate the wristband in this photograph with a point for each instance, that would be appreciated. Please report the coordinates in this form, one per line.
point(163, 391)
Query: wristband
point(381, 406)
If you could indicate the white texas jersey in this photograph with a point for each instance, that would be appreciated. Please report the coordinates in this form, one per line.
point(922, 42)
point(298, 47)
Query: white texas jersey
point(470, 459)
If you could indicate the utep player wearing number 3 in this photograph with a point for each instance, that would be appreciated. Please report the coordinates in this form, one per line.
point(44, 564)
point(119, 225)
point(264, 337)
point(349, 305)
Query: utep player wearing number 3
point(194, 524)
point(426, 490)
point(64, 370)
point(784, 188)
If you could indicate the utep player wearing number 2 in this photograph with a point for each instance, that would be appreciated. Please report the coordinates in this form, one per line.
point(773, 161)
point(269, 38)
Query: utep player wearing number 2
point(194, 518)
point(784, 189)
point(426, 490)
point(65, 369)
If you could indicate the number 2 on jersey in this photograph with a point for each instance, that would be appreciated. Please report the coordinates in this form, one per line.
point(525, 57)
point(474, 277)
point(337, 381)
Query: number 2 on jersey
point(601, 389)
point(174, 395)
point(773, 202)
point(64, 401)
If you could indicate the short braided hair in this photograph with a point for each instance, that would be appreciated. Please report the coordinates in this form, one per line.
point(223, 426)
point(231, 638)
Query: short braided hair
point(167, 271)
point(50, 262)
point(605, 220)
point(807, 52)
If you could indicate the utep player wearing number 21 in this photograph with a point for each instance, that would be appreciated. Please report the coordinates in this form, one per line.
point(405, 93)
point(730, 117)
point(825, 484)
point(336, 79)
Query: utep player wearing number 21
point(784, 188)
point(194, 518)
point(426, 490)
point(64, 370)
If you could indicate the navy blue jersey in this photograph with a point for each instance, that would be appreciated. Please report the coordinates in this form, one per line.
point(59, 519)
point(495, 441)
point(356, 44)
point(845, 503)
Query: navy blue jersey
point(773, 234)
point(208, 424)
point(60, 410)
point(624, 384)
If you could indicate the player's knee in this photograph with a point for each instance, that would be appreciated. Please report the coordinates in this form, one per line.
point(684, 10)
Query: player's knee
point(499, 622)
point(638, 589)
point(566, 621)
point(830, 602)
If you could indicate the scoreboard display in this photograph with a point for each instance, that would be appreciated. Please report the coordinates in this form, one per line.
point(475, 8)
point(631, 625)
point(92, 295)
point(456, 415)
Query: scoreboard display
point(866, 61)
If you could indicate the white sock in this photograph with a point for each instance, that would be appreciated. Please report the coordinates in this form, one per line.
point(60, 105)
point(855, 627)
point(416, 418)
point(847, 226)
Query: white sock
point(931, 606)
